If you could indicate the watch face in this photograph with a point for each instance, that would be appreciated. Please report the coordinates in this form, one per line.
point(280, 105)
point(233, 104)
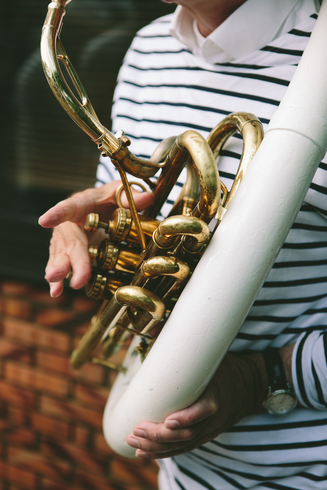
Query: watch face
point(280, 403)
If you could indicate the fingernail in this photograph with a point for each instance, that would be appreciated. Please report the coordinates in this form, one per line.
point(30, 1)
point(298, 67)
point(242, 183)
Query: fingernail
point(51, 293)
point(141, 454)
point(172, 424)
point(132, 441)
point(139, 433)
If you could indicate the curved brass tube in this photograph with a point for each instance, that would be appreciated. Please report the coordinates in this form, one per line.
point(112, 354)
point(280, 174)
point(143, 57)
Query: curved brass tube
point(110, 313)
point(252, 132)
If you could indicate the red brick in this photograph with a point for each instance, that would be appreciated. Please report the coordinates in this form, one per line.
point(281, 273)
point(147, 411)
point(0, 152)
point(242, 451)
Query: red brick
point(91, 395)
point(50, 426)
point(87, 480)
point(61, 364)
point(18, 417)
point(3, 425)
point(14, 351)
point(42, 296)
point(74, 456)
point(12, 474)
point(35, 379)
point(91, 372)
point(85, 305)
point(133, 476)
point(82, 436)
point(54, 469)
point(101, 445)
point(50, 485)
point(15, 288)
point(71, 412)
point(3, 409)
point(32, 335)
point(22, 437)
point(16, 396)
point(54, 317)
point(53, 362)
point(17, 308)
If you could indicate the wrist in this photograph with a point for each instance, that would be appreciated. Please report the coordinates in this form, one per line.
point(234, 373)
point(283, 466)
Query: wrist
point(253, 381)
point(281, 399)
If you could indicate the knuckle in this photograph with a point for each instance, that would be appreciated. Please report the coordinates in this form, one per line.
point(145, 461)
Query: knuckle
point(157, 437)
point(72, 244)
point(188, 434)
point(213, 406)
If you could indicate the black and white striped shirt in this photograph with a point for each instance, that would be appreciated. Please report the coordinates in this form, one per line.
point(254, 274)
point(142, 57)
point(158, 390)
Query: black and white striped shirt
point(163, 90)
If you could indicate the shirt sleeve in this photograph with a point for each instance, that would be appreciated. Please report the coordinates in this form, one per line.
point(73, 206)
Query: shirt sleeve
point(309, 369)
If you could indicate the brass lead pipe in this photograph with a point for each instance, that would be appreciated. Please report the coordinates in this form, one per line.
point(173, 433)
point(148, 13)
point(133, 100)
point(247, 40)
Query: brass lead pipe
point(82, 111)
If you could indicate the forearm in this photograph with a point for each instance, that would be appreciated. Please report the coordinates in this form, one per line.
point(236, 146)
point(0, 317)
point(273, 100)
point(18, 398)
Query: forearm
point(252, 371)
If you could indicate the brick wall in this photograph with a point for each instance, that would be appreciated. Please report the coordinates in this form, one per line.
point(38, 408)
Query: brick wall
point(50, 416)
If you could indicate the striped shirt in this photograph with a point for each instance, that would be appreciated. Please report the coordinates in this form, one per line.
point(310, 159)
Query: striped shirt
point(163, 90)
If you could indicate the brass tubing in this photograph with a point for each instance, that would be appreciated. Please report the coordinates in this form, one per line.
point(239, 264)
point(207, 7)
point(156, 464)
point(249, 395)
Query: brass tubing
point(175, 226)
point(57, 82)
point(171, 228)
point(146, 300)
point(205, 165)
point(159, 266)
point(252, 132)
point(118, 335)
point(110, 313)
point(132, 206)
point(82, 112)
point(174, 163)
point(190, 144)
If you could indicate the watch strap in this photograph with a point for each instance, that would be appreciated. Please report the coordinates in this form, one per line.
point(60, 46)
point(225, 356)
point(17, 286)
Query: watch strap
point(275, 369)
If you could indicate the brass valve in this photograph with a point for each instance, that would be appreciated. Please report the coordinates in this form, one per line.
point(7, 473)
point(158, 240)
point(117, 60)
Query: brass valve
point(121, 258)
point(118, 228)
point(121, 227)
point(102, 287)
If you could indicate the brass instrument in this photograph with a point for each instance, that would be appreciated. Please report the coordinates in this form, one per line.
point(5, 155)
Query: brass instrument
point(144, 263)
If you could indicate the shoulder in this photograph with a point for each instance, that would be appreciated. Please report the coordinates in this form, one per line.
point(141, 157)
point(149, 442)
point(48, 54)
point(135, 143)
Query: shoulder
point(157, 27)
point(155, 37)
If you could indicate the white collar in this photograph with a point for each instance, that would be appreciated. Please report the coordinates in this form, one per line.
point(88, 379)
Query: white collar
point(236, 38)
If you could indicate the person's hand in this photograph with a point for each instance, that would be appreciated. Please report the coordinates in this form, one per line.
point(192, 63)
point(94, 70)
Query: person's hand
point(69, 243)
point(237, 390)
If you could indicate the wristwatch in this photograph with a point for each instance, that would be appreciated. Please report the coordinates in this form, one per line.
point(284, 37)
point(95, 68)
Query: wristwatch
point(281, 399)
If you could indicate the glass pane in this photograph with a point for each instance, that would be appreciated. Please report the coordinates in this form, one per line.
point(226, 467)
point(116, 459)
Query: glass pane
point(44, 155)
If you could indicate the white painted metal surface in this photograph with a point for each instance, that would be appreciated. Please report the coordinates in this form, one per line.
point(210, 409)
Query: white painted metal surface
point(220, 293)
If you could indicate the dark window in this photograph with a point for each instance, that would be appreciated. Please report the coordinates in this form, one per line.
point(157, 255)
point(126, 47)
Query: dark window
point(44, 155)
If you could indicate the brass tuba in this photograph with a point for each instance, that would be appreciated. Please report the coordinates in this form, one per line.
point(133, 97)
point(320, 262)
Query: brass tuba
point(142, 277)
point(143, 263)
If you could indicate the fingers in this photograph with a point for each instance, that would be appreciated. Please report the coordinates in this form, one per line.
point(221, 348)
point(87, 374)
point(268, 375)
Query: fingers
point(69, 244)
point(204, 407)
point(142, 199)
point(78, 206)
point(95, 200)
point(179, 431)
point(56, 288)
point(178, 449)
point(68, 251)
point(146, 448)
